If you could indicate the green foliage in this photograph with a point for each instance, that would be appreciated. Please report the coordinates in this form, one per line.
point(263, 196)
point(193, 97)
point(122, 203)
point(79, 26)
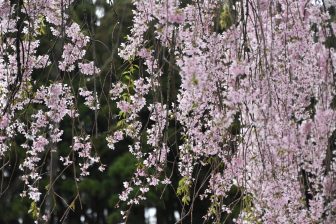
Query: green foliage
point(42, 30)
point(226, 19)
point(227, 15)
point(123, 166)
point(34, 210)
point(248, 209)
point(183, 190)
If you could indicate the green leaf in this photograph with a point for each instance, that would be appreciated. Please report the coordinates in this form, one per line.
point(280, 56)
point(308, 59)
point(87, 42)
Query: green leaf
point(183, 190)
point(34, 210)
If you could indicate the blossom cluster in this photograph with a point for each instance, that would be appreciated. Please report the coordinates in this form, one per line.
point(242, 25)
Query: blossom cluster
point(256, 96)
point(33, 112)
point(254, 106)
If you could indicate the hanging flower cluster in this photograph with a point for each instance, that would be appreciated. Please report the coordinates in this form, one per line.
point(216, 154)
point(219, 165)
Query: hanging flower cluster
point(31, 112)
point(256, 103)
point(42, 132)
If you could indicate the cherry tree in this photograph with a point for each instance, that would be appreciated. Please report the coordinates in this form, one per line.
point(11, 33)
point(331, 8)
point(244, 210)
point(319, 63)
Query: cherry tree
point(256, 104)
point(33, 110)
point(248, 86)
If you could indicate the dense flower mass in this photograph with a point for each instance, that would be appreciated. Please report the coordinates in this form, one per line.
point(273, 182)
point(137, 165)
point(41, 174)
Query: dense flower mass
point(250, 101)
point(256, 96)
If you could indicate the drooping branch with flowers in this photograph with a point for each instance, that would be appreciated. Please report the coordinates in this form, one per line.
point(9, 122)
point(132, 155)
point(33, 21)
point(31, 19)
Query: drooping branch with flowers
point(240, 94)
point(32, 110)
point(255, 104)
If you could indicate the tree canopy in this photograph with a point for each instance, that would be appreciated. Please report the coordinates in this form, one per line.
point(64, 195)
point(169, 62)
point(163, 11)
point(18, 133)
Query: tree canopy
point(209, 111)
